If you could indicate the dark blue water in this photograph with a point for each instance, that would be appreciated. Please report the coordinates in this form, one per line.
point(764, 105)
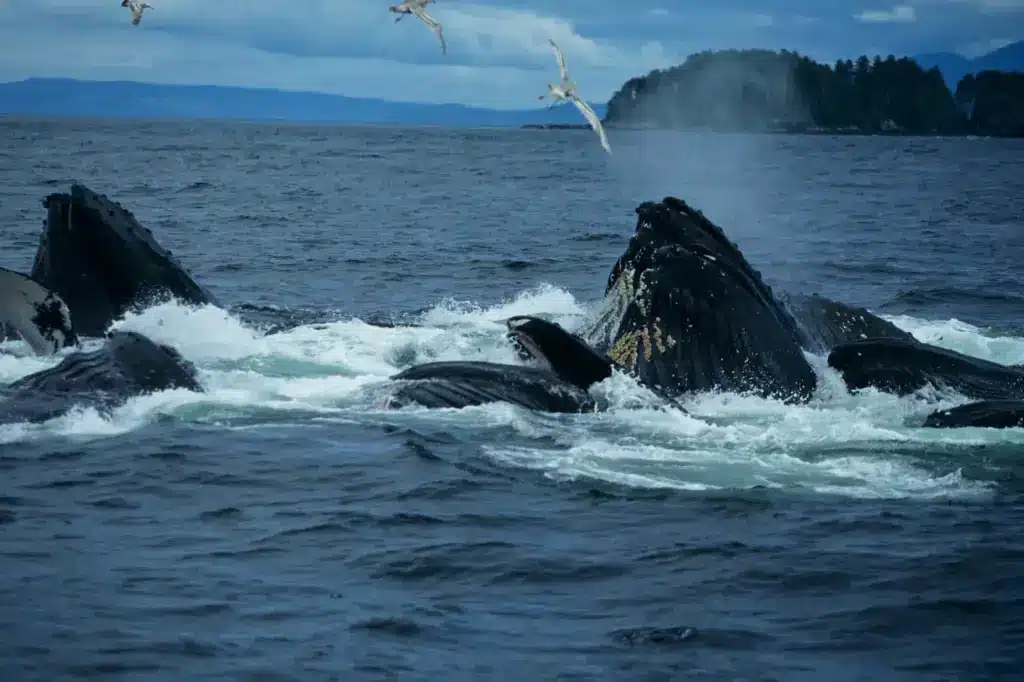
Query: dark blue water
point(284, 527)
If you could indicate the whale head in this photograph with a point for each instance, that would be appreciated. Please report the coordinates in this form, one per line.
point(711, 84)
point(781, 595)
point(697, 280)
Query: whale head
point(149, 365)
point(102, 262)
point(684, 311)
point(567, 355)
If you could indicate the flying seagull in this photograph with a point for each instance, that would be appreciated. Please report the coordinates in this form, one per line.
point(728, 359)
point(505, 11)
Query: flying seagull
point(136, 8)
point(566, 90)
point(417, 7)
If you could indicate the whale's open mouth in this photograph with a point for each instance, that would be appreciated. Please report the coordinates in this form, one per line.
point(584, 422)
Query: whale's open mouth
point(528, 347)
point(565, 354)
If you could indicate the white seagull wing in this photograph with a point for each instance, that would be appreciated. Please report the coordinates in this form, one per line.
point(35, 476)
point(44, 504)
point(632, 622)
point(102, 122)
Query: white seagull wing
point(561, 61)
point(433, 25)
point(593, 120)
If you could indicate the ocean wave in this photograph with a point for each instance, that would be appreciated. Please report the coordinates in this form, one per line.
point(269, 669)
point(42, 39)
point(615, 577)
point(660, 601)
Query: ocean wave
point(861, 445)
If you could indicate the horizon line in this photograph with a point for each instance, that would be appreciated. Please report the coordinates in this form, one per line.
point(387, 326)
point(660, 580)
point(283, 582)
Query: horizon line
point(318, 93)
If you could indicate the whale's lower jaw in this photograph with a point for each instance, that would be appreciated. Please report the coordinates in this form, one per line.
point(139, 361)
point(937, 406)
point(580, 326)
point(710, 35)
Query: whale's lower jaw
point(464, 384)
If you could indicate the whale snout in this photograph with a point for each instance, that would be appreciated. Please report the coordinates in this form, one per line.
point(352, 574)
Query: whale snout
point(518, 321)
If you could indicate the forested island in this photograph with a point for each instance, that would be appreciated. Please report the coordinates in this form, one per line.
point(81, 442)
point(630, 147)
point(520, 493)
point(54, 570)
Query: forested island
point(764, 90)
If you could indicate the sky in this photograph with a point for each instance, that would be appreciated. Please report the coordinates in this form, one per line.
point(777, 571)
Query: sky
point(498, 55)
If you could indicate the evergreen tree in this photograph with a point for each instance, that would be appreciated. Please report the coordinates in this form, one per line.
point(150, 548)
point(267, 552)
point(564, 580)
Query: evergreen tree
point(768, 90)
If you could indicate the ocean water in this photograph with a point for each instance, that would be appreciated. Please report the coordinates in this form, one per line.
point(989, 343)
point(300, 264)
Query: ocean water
point(282, 526)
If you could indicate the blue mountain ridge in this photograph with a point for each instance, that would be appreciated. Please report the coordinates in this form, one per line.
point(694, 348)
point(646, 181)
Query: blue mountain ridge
point(128, 99)
point(954, 66)
point(60, 97)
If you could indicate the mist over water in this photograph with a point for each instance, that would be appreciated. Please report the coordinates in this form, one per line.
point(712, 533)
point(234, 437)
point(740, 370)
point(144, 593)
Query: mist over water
point(284, 523)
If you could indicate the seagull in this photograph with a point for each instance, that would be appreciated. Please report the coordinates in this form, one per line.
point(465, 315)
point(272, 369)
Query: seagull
point(136, 8)
point(566, 90)
point(417, 7)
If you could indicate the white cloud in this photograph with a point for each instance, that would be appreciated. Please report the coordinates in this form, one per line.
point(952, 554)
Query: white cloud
point(496, 56)
point(476, 34)
point(898, 14)
point(982, 47)
point(995, 5)
point(497, 49)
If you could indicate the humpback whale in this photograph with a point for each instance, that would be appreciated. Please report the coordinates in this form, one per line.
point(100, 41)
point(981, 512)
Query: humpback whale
point(127, 364)
point(565, 368)
point(900, 366)
point(567, 355)
point(459, 384)
point(993, 414)
point(96, 256)
point(823, 323)
point(34, 312)
point(685, 311)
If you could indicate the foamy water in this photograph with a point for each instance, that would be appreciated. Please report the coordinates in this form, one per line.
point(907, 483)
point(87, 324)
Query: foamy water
point(861, 445)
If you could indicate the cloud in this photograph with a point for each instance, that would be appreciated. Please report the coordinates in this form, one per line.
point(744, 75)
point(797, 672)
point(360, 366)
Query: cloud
point(899, 13)
point(498, 53)
point(982, 47)
point(497, 56)
point(996, 5)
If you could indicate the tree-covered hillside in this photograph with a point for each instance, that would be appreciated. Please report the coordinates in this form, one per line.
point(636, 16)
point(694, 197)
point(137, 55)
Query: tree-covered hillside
point(767, 90)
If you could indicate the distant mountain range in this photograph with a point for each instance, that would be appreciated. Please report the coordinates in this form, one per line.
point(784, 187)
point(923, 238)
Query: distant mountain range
point(126, 99)
point(954, 66)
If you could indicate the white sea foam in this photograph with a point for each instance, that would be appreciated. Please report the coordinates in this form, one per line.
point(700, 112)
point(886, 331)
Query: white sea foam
point(863, 445)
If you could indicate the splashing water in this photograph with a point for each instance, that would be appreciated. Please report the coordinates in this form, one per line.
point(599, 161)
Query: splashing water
point(860, 445)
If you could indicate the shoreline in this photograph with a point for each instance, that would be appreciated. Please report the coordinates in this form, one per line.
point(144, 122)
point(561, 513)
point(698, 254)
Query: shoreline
point(6, 119)
point(779, 131)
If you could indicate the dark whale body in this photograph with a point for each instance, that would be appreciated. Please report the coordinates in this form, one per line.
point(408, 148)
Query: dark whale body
point(567, 355)
point(565, 368)
point(461, 384)
point(993, 414)
point(685, 311)
point(127, 364)
point(823, 323)
point(101, 261)
point(902, 367)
